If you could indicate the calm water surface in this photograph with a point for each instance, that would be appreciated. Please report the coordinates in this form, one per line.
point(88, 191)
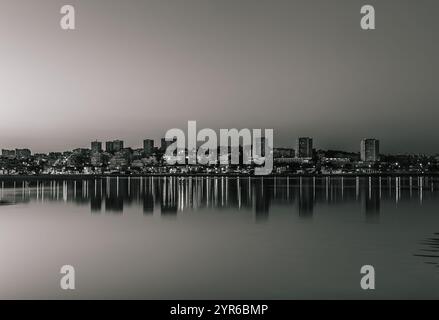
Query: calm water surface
point(220, 238)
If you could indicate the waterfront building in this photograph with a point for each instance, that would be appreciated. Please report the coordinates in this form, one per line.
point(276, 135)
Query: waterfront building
point(304, 148)
point(96, 147)
point(370, 150)
point(114, 146)
point(148, 147)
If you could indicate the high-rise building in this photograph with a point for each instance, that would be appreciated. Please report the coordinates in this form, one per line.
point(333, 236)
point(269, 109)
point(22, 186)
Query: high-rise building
point(370, 150)
point(304, 147)
point(118, 145)
point(96, 147)
point(109, 146)
point(148, 147)
point(114, 146)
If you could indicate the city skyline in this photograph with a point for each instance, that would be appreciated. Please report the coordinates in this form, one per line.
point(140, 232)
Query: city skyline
point(159, 141)
point(303, 145)
point(368, 148)
point(135, 68)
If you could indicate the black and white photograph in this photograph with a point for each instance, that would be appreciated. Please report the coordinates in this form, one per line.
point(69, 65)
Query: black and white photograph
point(219, 150)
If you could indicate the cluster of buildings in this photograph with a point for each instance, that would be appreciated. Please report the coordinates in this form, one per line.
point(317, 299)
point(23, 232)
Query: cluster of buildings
point(17, 153)
point(303, 159)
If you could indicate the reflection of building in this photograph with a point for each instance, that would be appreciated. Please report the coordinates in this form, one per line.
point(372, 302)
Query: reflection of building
point(370, 150)
point(304, 147)
point(171, 195)
point(114, 204)
point(169, 204)
point(262, 200)
point(372, 206)
point(116, 191)
point(148, 203)
point(306, 198)
point(148, 147)
point(371, 201)
point(95, 197)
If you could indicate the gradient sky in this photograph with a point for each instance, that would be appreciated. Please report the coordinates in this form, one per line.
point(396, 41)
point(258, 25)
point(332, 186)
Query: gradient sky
point(134, 69)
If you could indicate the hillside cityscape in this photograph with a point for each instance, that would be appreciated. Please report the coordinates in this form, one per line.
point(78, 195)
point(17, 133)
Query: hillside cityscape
point(303, 159)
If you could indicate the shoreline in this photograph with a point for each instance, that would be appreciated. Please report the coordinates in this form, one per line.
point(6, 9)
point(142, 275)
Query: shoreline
point(179, 175)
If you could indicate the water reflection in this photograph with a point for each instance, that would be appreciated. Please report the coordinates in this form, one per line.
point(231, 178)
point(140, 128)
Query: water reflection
point(171, 195)
point(430, 251)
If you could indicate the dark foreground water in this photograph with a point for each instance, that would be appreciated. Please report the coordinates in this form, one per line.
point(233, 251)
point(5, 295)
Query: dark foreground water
point(231, 238)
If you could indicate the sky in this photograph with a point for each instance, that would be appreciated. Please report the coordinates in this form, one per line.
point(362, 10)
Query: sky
point(133, 69)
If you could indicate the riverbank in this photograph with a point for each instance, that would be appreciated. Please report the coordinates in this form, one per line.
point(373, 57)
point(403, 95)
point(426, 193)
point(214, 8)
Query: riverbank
point(102, 176)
